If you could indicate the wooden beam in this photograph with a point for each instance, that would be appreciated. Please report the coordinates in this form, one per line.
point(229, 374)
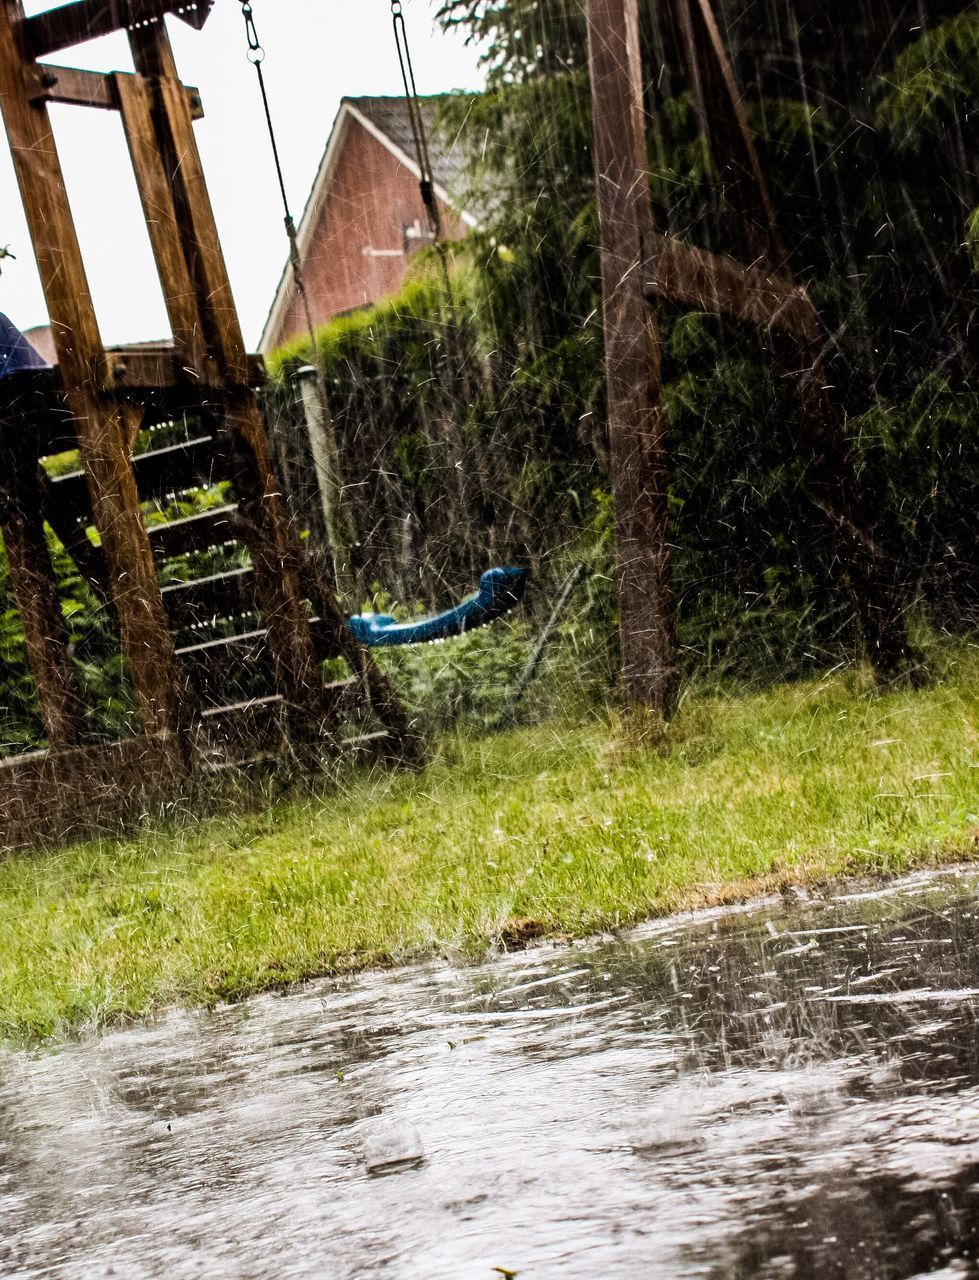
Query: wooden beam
point(74, 87)
point(160, 368)
point(632, 358)
point(693, 277)
point(720, 106)
point(71, 24)
point(154, 183)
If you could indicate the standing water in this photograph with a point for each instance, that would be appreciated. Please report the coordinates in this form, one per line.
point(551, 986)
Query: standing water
point(790, 1091)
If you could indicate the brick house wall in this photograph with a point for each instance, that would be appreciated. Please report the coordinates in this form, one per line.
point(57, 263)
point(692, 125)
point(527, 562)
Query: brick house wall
point(364, 223)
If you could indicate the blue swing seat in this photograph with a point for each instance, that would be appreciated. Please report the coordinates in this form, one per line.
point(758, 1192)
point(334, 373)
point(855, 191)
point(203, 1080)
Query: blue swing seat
point(500, 590)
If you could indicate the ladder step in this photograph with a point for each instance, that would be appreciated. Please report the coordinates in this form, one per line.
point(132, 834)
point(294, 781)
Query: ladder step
point(237, 731)
point(377, 744)
point(239, 665)
point(202, 532)
point(205, 600)
point(160, 473)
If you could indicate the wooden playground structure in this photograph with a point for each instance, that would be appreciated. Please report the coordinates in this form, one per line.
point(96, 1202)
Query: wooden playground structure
point(182, 643)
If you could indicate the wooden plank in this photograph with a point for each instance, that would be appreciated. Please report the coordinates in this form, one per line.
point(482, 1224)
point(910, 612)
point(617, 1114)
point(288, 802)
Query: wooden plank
point(218, 719)
point(71, 24)
point(73, 87)
point(195, 533)
point(224, 661)
point(103, 429)
point(52, 797)
point(244, 732)
point(33, 581)
point(202, 601)
point(144, 369)
point(159, 474)
point(231, 735)
point(712, 282)
point(632, 357)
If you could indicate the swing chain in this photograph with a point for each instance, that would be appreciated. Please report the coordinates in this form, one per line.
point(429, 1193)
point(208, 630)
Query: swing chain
point(256, 56)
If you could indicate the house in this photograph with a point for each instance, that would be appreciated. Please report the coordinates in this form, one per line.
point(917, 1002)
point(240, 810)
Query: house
point(365, 219)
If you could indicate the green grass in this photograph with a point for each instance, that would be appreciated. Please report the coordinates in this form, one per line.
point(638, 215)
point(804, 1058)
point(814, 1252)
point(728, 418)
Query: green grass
point(562, 828)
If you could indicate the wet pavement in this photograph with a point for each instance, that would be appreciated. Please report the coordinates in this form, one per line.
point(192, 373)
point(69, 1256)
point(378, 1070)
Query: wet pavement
point(787, 1092)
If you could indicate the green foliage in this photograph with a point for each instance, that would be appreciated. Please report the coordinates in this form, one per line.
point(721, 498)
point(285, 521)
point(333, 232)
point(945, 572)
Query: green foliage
point(921, 460)
point(933, 81)
point(523, 40)
point(20, 725)
point(972, 237)
point(466, 679)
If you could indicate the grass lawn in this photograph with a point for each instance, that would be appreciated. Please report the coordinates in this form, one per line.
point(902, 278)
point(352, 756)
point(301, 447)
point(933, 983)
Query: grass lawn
point(563, 829)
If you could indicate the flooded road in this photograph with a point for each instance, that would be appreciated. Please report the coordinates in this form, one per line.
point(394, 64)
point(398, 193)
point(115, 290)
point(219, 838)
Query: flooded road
point(787, 1092)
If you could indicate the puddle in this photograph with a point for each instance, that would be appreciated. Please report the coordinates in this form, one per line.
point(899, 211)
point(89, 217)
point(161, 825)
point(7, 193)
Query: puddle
point(789, 1092)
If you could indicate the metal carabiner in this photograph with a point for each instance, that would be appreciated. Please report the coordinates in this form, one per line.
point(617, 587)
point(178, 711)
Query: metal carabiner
point(256, 54)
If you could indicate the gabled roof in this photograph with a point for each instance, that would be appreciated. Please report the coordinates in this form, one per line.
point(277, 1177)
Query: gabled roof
point(390, 117)
point(387, 119)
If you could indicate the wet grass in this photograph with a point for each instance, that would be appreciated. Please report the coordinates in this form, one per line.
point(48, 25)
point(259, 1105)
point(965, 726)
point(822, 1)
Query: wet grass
point(560, 829)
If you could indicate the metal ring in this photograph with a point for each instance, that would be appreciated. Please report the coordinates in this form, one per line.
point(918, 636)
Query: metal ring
point(255, 55)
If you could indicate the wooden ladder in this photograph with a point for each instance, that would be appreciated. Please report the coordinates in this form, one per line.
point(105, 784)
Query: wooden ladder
point(271, 618)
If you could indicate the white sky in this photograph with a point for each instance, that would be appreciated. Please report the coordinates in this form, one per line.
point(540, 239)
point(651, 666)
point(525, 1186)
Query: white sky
point(317, 52)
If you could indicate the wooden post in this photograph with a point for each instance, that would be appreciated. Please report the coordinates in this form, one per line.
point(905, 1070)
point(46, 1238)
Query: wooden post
point(632, 357)
point(326, 464)
point(155, 188)
point(103, 427)
point(33, 580)
point(203, 266)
